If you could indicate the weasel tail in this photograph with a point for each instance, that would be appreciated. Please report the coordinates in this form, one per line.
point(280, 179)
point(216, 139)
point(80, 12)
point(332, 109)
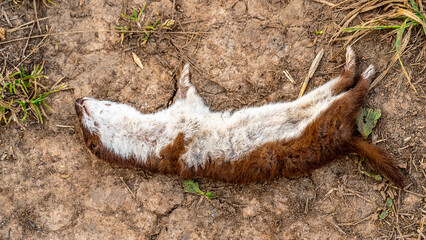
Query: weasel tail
point(288, 139)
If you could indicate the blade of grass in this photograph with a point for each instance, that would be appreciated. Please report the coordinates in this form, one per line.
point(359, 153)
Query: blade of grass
point(370, 28)
point(404, 44)
point(400, 33)
point(37, 109)
point(23, 105)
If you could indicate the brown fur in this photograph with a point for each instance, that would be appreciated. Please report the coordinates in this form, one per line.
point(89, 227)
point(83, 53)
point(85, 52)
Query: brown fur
point(330, 136)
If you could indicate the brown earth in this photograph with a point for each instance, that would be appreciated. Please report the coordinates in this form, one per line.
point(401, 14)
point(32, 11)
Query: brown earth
point(51, 187)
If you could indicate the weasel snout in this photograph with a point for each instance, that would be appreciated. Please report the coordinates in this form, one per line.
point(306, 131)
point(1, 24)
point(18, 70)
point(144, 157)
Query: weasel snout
point(80, 101)
point(80, 107)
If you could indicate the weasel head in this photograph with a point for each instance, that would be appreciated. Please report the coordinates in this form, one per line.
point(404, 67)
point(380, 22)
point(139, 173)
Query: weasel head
point(95, 114)
point(104, 120)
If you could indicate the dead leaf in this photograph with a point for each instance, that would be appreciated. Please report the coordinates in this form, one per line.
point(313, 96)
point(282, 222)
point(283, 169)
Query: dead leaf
point(137, 60)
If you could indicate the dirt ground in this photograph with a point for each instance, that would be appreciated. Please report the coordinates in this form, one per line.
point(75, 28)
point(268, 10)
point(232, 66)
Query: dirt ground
point(51, 187)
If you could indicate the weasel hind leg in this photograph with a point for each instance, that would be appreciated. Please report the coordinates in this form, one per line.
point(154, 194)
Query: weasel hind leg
point(346, 80)
point(378, 158)
point(354, 98)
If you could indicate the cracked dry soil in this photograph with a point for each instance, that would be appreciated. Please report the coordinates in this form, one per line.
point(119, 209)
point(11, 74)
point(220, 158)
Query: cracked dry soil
point(53, 188)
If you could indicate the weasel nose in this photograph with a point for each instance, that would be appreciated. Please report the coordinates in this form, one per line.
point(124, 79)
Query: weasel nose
point(80, 100)
point(80, 106)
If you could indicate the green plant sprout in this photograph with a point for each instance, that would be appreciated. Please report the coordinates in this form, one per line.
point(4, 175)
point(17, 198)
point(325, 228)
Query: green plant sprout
point(192, 187)
point(389, 204)
point(22, 91)
point(376, 177)
point(136, 25)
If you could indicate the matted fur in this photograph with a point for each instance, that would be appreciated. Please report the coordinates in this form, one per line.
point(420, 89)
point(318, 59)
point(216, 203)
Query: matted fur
point(252, 144)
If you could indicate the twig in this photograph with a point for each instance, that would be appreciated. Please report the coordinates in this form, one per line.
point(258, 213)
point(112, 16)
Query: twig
point(4, 65)
point(307, 205)
point(26, 44)
point(64, 126)
point(337, 227)
point(34, 49)
point(289, 77)
point(36, 17)
point(355, 223)
point(57, 82)
point(359, 195)
point(420, 231)
point(411, 192)
point(8, 234)
point(311, 72)
point(326, 3)
point(23, 25)
point(6, 2)
point(6, 17)
point(128, 188)
point(396, 211)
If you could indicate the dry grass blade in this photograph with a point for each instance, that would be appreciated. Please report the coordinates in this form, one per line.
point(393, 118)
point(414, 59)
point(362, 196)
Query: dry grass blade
point(289, 77)
point(381, 4)
point(311, 72)
point(409, 13)
point(404, 44)
point(325, 2)
point(356, 11)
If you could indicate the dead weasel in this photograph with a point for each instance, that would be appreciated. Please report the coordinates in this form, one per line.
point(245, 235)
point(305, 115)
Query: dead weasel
point(287, 139)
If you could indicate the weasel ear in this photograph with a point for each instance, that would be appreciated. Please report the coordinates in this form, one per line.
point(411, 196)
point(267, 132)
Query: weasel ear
point(184, 82)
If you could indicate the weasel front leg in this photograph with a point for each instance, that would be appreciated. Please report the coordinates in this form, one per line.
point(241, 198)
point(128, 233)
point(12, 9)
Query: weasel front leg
point(184, 83)
point(186, 92)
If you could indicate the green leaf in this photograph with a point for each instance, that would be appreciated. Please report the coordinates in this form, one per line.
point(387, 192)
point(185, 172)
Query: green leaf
point(192, 187)
point(384, 213)
point(399, 34)
point(210, 195)
point(319, 32)
point(367, 120)
point(389, 202)
point(156, 23)
point(22, 72)
point(414, 6)
point(38, 113)
point(376, 177)
point(129, 17)
point(14, 74)
point(143, 8)
point(23, 104)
